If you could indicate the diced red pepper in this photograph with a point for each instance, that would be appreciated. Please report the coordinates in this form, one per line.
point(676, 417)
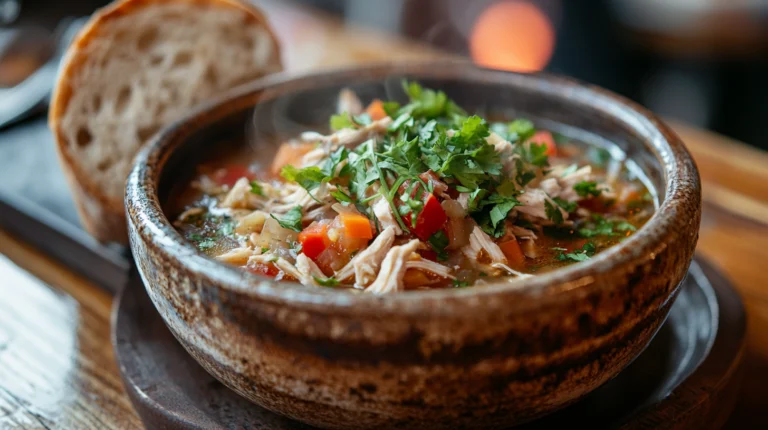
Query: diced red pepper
point(430, 220)
point(428, 254)
point(230, 174)
point(546, 138)
point(314, 240)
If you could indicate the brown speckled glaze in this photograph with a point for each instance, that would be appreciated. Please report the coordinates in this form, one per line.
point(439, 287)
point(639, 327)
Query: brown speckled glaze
point(484, 357)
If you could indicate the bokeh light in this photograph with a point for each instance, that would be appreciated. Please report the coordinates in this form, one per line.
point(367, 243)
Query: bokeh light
point(512, 35)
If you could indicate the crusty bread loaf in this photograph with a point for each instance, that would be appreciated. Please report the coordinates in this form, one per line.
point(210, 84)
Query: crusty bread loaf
point(137, 66)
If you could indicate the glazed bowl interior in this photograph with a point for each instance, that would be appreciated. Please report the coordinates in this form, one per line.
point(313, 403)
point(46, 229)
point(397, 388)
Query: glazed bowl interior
point(263, 115)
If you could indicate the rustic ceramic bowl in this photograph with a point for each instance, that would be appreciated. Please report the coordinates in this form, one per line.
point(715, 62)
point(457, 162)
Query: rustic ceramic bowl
point(485, 357)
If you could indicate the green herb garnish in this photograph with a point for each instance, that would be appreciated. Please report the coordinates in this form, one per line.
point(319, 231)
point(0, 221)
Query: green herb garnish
point(580, 254)
point(553, 212)
point(587, 188)
point(291, 220)
point(460, 284)
point(256, 188)
point(326, 282)
point(342, 120)
point(439, 241)
point(308, 178)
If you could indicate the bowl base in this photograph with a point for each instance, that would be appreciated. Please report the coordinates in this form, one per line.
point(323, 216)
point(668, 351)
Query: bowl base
point(686, 377)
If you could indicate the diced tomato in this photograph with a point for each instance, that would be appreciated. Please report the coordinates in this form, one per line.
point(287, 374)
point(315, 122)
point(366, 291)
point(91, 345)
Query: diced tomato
point(376, 110)
point(430, 220)
point(546, 138)
point(268, 269)
point(314, 240)
point(230, 174)
point(356, 226)
point(512, 251)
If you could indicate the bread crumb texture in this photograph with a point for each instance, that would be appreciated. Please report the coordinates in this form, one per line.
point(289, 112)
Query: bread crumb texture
point(143, 70)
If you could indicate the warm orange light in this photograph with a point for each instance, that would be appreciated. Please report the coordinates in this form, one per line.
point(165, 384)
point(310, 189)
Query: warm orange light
point(512, 35)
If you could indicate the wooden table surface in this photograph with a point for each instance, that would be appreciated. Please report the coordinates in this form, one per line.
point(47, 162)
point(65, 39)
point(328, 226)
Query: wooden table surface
point(57, 368)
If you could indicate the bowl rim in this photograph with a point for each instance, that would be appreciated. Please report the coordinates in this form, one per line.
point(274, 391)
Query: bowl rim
point(681, 179)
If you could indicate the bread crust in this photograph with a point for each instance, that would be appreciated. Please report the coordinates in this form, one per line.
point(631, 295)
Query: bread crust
point(102, 215)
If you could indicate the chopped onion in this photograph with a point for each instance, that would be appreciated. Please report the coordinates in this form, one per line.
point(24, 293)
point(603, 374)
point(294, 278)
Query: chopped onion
point(253, 222)
point(273, 234)
point(453, 209)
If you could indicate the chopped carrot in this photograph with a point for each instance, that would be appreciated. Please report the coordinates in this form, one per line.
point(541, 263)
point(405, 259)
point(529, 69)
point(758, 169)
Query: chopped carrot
point(512, 251)
point(356, 226)
point(314, 240)
point(415, 278)
point(546, 138)
point(289, 153)
point(376, 110)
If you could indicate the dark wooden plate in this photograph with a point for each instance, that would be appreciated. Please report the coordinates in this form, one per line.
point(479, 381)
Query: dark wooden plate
point(685, 379)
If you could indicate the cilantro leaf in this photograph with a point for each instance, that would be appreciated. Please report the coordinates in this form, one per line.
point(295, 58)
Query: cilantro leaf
point(326, 282)
point(342, 197)
point(553, 212)
point(256, 188)
point(460, 284)
point(599, 226)
point(587, 188)
point(427, 103)
point(580, 254)
point(342, 120)
point(336, 157)
point(520, 129)
point(308, 178)
point(291, 220)
point(565, 204)
point(439, 241)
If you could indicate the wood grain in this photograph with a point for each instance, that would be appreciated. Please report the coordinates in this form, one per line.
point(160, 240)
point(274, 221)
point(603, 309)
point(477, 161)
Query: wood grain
point(57, 369)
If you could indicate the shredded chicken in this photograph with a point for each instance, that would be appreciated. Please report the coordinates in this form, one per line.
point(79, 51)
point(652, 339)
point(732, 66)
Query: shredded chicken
point(500, 144)
point(384, 214)
point(533, 200)
point(390, 278)
point(350, 136)
point(301, 197)
point(430, 266)
point(281, 263)
point(236, 256)
point(510, 270)
point(481, 247)
point(366, 263)
point(308, 271)
point(240, 196)
point(523, 233)
point(349, 102)
point(528, 246)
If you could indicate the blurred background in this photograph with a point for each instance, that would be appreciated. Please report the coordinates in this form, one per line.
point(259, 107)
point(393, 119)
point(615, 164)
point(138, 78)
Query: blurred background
point(704, 62)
